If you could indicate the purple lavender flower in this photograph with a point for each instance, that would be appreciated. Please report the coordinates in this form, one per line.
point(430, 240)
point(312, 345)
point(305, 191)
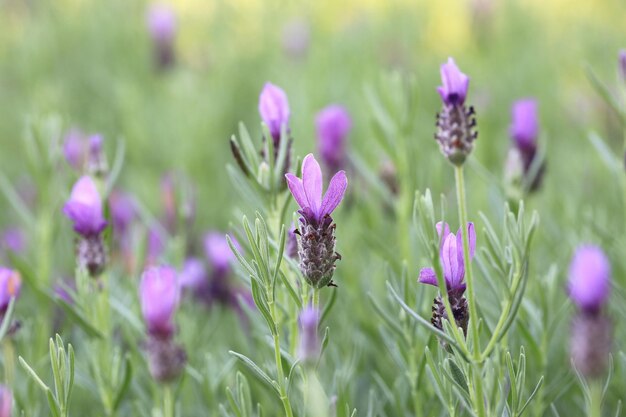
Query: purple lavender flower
point(274, 110)
point(96, 161)
point(13, 240)
point(317, 242)
point(333, 125)
point(161, 22)
point(10, 286)
point(589, 279)
point(74, 149)
point(156, 245)
point(455, 84)
point(456, 122)
point(452, 261)
point(218, 252)
point(194, 275)
point(309, 347)
point(84, 208)
point(159, 294)
point(6, 401)
point(123, 211)
point(592, 332)
point(525, 126)
point(622, 64)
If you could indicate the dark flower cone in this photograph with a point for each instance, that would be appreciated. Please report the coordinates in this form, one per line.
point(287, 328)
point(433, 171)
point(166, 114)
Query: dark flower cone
point(91, 254)
point(459, 310)
point(166, 359)
point(317, 252)
point(590, 347)
point(456, 132)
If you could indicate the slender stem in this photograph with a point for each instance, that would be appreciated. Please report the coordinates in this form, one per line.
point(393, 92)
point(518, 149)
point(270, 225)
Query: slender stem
point(595, 399)
point(469, 279)
point(168, 401)
point(280, 375)
point(316, 299)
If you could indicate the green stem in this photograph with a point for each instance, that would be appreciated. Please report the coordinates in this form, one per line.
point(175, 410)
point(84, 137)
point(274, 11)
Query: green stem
point(479, 401)
point(168, 401)
point(316, 299)
point(595, 400)
point(279, 365)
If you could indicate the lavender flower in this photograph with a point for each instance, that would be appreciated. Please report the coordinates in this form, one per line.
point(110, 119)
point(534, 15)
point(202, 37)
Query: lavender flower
point(317, 239)
point(74, 149)
point(84, 209)
point(218, 252)
point(455, 122)
point(96, 161)
point(123, 211)
point(452, 261)
point(525, 126)
point(6, 401)
point(13, 240)
point(194, 275)
point(10, 286)
point(274, 110)
point(333, 125)
point(622, 64)
point(159, 294)
point(589, 289)
point(161, 22)
point(589, 279)
point(156, 245)
point(309, 346)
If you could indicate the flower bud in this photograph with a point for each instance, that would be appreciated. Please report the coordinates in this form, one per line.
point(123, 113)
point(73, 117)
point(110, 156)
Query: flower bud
point(6, 401)
point(166, 359)
point(455, 84)
point(159, 294)
point(589, 279)
point(274, 110)
point(96, 161)
point(310, 347)
point(333, 125)
point(84, 208)
point(161, 22)
point(590, 344)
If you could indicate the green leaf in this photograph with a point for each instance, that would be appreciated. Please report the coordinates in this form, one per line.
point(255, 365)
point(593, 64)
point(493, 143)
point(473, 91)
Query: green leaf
point(256, 371)
point(532, 395)
point(32, 374)
point(261, 302)
point(125, 384)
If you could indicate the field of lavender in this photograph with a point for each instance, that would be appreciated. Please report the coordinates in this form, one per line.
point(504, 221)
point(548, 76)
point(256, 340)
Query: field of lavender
point(368, 208)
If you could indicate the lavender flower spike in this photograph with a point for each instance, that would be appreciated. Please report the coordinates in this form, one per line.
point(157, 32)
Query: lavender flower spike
point(159, 294)
point(161, 22)
point(525, 126)
point(589, 279)
point(333, 125)
point(274, 109)
point(310, 346)
point(456, 122)
point(10, 286)
point(84, 208)
point(317, 240)
point(592, 331)
point(452, 261)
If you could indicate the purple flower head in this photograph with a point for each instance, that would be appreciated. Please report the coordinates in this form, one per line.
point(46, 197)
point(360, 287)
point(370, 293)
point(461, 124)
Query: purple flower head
point(159, 294)
point(95, 146)
point(589, 278)
point(84, 208)
point(218, 252)
point(122, 208)
point(333, 125)
point(308, 191)
point(194, 274)
point(452, 259)
point(6, 401)
point(75, 149)
point(622, 64)
point(525, 126)
point(455, 84)
point(10, 286)
point(156, 245)
point(274, 109)
point(161, 22)
point(308, 321)
point(14, 240)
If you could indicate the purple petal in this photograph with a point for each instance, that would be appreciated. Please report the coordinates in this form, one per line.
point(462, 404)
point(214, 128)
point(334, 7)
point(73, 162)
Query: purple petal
point(297, 190)
point(450, 261)
point(589, 278)
point(159, 293)
point(312, 182)
point(428, 276)
point(334, 194)
point(84, 207)
point(455, 83)
point(274, 108)
point(525, 125)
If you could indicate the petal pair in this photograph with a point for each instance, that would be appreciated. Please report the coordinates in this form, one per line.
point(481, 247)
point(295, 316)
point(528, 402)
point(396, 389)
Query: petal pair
point(455, 83)
point(308, 191)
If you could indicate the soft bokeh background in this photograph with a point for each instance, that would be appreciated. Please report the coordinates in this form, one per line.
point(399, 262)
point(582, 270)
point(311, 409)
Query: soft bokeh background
point(90, 63)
